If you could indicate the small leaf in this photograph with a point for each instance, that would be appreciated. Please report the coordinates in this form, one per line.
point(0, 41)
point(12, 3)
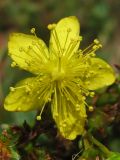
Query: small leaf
point(15, 155)
point(114, 156)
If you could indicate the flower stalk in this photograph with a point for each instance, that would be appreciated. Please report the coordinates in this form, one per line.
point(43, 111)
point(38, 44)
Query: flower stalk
point(97, 143)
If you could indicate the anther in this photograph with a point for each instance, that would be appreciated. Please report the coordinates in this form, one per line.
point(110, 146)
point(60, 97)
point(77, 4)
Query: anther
point(12, 89)
point(64, 124)
point(39, 80)
point(32, 30)
point(87, 83)
point(96, 41)
point(28, 89)
point(100, 45)
point(51, 26)
point(77, 107)
point(49, 99)
point(38, 92)
point(53, 91)
point(83, 98)
point(95, 47)
point(100, 66)
point(84, 116)
point(56, 114)
point(92, 54)
point(13, 64)
point(80, 50)
point(86, 93)
point(80, 38)
point(88, 75)
point(91, 72)
point(38, 118)
point(92, 94)
point(19, 108)
point(91, 109)
point(68, 99)
point(78, 84)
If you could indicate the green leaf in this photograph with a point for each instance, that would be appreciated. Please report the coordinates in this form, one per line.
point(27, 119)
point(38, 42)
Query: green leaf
point(114, 156)
point(15, 155)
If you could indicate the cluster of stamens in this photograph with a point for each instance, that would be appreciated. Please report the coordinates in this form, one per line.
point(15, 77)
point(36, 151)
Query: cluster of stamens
point(73, 64)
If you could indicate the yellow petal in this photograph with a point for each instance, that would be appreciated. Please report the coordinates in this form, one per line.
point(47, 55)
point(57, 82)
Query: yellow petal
point(70, 121)
point(27, 51)
point(28, 94)
point(101, 74)
point(65, 36)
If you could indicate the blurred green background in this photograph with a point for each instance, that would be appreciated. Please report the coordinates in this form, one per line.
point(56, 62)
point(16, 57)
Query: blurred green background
point(98, 19)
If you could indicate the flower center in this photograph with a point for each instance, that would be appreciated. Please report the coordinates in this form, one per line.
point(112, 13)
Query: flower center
point(58, 74)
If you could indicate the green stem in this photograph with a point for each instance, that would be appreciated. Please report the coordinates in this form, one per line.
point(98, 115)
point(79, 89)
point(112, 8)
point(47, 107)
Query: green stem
point(104, 149)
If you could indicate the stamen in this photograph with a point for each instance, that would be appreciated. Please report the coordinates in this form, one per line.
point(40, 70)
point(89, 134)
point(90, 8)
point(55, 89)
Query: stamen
point(68, 96)
point(53, 51)
point(55, 103)
point(13, 64)
point(12, 89)
point(43, 54)
point(28, 89)
point(42, 91)
point(91, 109)
point(92, 94)
point(96, 41)
point(80, 38)
point(39, 44)
point(77, 107)
point(51, 26)
point(19, 108)
point(39, 117)
point(31, 62)
point(68, 31)
point(93, 47)
point(64, 124)
point(40, 56)
point(69, 52)
point(62, 109)
point(44, 95)
point(32, 30)
point(57, 41)
point(72, 87)
point(49, 99)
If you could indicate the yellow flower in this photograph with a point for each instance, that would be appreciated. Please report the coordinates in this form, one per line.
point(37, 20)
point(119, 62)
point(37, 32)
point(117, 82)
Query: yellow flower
point(63, 75)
